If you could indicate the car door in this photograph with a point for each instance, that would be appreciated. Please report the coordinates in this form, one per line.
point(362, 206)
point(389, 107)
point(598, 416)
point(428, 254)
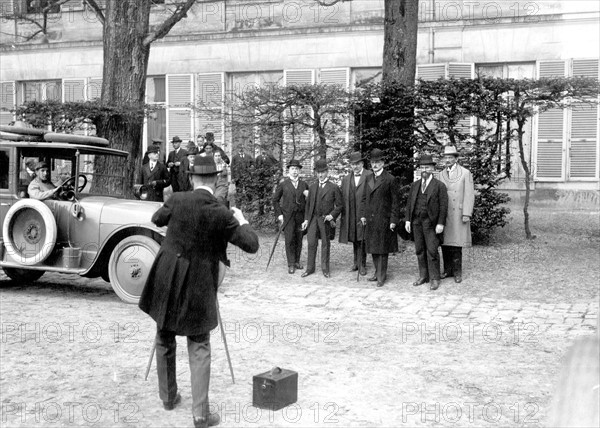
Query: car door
point(8, 179)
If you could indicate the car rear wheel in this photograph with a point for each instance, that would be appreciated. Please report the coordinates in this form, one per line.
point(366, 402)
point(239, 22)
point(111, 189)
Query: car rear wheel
point(129, 266)
point(23, 275)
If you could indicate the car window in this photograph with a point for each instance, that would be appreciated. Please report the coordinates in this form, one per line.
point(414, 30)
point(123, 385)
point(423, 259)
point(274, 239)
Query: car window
point(4, 167)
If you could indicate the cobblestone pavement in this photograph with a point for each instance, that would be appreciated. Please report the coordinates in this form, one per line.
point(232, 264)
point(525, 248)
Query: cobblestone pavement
point(366, 356)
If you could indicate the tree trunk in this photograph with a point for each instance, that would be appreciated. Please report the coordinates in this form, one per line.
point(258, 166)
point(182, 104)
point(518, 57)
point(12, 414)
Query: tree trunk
point(400, 41)
point(124, 80)
point(520, 125)
point(399, 67)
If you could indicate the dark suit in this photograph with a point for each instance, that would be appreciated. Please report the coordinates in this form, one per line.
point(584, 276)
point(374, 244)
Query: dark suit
point(423, 217)
point(180, 293)
point(290, 203)
point(176, 156)
point(380, 207)
point(351, 229)
point(160, 174)
point(239, 165)
point(322, 201)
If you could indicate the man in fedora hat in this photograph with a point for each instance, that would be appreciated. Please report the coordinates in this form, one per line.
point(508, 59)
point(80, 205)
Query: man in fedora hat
point(176, 156)
point(184, 179)
point(351, 228)
point(155, 142)
point(461, 198)
point(180, 293)
point(425, 218)
point(289, 202)
point(380, 212)
point(154, 175)
point(323, 207)
point(41, 187)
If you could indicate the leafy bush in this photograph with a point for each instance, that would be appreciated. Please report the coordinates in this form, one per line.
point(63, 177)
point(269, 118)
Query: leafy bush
point(488, 215)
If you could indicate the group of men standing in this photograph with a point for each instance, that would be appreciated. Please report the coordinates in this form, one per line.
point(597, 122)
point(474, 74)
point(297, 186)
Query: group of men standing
point(438, 212)
point(157, 176)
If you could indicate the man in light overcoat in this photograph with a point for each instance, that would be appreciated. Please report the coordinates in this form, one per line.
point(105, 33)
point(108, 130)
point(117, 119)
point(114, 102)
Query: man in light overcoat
point(461, 198)
point(351, 228)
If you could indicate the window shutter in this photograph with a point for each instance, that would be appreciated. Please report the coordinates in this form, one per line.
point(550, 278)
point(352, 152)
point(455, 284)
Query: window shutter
point(304, 137)
point(341, 78)
point(461, 70)
point(550, 149)
point(431, 71)
point(73, 90)
point(211, 98)
point(179, 113)
point(583, 150)
point(8, 102)
point(583, 153)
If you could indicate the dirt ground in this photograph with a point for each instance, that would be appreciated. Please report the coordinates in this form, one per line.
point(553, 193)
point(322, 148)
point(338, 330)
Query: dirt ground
point(486, 352)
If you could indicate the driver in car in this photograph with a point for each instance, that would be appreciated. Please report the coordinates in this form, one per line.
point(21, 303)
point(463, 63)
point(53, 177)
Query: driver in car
point(41, 187)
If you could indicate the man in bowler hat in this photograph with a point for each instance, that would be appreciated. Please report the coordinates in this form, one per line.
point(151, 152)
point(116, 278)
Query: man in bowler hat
point(174, 160)
point(380, 212)
point(181, 290)
point(351, 228)
point(323, 207)
point(461, 198)
point(154, 175)
point(289, 202)
point(425, 218)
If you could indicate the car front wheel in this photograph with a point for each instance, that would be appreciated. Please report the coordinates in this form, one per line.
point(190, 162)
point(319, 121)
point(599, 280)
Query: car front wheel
point(129, 266)
point(23, 275)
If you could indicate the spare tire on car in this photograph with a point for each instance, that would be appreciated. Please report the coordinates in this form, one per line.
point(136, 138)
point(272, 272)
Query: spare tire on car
point(29, 232)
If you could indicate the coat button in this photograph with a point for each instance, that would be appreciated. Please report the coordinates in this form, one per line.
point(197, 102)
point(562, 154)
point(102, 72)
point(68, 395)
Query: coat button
point(178, 254)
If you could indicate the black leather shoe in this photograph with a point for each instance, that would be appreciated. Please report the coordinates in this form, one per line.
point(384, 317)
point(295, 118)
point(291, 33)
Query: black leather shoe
point(326, 274)
point(291, 269)
point(435, 284)
point(372, 279)
point(458, 278)
point(299, 266)
point(420, 281)
point(212, 420)
point(306, 273)
point(379, 283)
point(363, 271)
point(446, 275)
point(354, 268)
point(170, 405)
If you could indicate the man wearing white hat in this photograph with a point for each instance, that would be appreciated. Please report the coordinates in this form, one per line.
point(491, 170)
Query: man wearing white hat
point(461, 198)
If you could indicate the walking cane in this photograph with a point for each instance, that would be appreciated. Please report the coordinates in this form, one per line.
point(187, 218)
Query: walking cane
point(225, 341)
point(150, 360)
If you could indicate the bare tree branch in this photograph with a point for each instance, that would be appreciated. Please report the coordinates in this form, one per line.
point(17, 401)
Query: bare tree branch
point(163, 29)
point(94, 6)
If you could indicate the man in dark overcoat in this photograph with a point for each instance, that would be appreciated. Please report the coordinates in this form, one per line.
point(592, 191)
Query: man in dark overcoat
point(176, 156)
point(351, 228)
point(154, 175)
point(184, 179)
point(380, 212)
point(323, 206)
point(289, 202)
point(426, 216)
point(181, 290)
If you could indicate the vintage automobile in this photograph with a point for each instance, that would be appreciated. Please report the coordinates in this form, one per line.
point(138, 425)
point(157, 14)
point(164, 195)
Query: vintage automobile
point(84, 229)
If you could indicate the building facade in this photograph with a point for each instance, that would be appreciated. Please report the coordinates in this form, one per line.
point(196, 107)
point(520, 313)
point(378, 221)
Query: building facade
point(225, 46)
